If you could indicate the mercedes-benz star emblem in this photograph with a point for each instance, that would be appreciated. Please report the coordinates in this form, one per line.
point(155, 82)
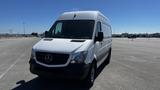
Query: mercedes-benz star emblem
point(48, 58)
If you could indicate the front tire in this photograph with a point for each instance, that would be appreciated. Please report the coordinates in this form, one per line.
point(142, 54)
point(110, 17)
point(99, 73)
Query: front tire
point(89, 80)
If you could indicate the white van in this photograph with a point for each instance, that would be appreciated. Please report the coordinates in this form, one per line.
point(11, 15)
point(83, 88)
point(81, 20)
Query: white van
point(74, 47)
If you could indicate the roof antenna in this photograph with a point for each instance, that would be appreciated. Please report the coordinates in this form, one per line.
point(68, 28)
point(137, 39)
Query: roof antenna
point(74, 16)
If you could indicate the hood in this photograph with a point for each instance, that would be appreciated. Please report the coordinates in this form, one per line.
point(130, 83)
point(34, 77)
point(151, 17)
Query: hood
point(60, 45)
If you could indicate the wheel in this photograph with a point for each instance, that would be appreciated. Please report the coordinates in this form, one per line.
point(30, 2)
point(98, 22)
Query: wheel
point(41, 77)
point(89, 80)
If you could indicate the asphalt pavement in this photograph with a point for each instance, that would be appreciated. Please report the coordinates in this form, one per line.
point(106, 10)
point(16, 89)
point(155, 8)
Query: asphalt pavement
point(135, 65)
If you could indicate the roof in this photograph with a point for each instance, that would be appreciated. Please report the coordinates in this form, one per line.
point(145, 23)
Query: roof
point(90, 15)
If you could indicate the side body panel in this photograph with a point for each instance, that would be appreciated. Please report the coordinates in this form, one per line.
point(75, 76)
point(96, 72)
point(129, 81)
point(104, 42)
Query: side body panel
point(102, 48)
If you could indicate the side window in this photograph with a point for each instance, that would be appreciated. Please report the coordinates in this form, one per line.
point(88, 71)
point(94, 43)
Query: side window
point(98, 28)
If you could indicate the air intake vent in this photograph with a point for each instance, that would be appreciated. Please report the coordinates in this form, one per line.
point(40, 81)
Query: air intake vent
point(48, 39)
point(77, 40)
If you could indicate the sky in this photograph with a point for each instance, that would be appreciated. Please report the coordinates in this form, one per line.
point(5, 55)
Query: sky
point(132, 16)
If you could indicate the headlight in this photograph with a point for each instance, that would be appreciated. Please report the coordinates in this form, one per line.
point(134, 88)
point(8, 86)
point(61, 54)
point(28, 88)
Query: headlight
point(33, 54)
point(78, 57)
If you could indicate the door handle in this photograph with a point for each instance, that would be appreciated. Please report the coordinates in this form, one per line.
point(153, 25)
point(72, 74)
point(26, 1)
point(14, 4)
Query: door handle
point(101, 43)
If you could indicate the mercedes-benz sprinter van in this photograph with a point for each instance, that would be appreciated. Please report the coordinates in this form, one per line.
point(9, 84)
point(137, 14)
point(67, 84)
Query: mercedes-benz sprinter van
point(74, 47)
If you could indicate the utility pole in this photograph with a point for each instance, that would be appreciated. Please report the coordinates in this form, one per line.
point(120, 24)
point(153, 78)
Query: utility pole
point(24, 27)
point(10, 31)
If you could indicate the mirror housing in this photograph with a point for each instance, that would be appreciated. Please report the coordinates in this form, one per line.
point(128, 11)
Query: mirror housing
point(46, 34)
point(100, 36)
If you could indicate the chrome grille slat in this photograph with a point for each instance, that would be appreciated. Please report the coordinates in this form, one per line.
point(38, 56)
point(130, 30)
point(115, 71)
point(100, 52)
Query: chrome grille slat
point(57, 59)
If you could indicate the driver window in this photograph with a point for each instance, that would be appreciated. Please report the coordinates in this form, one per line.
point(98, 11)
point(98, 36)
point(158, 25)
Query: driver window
point(98, 28)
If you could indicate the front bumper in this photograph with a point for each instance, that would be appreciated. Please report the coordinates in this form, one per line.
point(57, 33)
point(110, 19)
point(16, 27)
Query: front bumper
point(71, 71)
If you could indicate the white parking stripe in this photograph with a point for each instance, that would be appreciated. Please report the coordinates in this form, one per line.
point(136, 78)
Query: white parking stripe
point(6, 71)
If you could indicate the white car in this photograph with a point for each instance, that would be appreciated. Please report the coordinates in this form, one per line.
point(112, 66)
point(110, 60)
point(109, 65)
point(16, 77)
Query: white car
point(74, 47)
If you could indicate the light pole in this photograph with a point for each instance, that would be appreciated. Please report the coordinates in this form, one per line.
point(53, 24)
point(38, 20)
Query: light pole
point(24, 27)
point(10, 31)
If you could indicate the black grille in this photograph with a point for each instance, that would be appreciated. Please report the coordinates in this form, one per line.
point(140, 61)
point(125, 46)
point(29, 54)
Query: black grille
point(51, 58)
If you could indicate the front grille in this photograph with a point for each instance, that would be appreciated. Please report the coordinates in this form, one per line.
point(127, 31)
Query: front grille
point(52, 58)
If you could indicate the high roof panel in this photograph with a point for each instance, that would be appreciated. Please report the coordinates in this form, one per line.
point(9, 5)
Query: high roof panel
point(91, 15)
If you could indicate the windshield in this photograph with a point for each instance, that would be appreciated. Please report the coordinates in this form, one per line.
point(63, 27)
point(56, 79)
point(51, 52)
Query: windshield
point(74, 29)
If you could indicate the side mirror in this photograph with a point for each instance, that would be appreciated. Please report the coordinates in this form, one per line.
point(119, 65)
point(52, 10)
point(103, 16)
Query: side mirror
point(100, 36)
point(46, 34)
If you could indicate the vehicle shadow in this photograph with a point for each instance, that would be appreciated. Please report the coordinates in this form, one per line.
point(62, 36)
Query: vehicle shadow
point(54, 84)
point(46, 84)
